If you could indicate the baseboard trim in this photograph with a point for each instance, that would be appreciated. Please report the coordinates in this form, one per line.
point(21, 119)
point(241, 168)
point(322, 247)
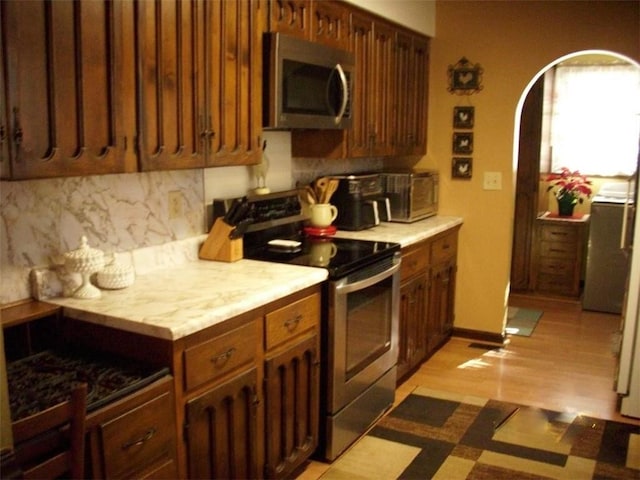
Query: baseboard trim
point(479, 335)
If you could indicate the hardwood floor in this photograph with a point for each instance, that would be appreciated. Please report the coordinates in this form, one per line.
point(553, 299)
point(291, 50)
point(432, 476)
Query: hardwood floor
point(567, 364)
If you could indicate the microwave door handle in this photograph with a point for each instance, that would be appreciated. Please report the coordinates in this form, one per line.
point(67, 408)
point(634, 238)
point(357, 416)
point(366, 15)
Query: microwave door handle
point(345, 93)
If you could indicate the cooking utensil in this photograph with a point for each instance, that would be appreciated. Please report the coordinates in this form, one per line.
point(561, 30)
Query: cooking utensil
point(332, 186)
point(310, 195)
point(320, 186)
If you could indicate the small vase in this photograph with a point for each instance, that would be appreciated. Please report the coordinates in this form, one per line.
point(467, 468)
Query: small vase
point(566, 204)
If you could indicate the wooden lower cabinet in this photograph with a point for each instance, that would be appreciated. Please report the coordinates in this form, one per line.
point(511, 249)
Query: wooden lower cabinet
point(440, 318)
point(414, 297)
point(135, 436)
point(427, 295)
point(221, 430)
point(292, 406)
point(559, 253)
point(250, 392)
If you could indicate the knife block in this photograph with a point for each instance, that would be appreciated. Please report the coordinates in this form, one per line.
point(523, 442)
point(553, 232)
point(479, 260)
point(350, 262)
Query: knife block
point(218, 246)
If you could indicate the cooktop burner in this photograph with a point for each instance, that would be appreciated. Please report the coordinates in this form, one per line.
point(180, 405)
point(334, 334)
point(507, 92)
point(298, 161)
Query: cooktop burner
point(340, 256)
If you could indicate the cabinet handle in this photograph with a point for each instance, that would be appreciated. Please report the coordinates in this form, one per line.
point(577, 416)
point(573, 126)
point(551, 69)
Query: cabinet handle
point(17, 134)
point(292, 323)
point(2, 137)
point(223, 358)
point(145, 438)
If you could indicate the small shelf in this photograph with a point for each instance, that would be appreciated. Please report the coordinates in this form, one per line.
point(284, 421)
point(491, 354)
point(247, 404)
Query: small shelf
point(26, 312)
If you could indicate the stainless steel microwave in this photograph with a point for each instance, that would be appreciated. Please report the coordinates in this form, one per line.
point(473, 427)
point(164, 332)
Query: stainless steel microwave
point(412, 194)
point(306, 85)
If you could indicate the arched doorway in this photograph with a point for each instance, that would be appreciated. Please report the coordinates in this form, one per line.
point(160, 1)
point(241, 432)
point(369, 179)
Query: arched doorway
point(526, 162)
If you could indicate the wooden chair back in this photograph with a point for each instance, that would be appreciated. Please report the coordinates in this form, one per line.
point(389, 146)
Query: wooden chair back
point(51, 443)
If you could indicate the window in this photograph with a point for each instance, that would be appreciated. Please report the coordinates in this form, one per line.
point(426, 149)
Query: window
point(595, 118)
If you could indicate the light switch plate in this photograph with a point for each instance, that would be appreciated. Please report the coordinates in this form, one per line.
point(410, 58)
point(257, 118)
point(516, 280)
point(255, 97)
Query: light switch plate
point(492, 181)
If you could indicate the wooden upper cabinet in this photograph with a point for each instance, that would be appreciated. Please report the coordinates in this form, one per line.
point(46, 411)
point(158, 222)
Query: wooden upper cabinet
point(330, 24)
point(234, 87)
point(412, 81)
point(199, 83)
point(372, 132)
point(172, 125)
point(290, 17)
point(325, 21)
point(63, 111)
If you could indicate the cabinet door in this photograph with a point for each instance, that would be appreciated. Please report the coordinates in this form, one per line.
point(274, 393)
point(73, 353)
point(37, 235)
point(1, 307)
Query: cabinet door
point(382, 88)
point(292, 389)
point(234, 82)
point(330, 24)
point(221, 431)
point(290, 17)
point(362, 45)
point(412, 75)
point(172, 122)
point(63, 89)
point(441, 316)
point(413, 324)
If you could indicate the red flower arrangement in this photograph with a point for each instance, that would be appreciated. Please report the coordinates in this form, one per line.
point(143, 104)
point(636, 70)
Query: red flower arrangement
point(569, 184)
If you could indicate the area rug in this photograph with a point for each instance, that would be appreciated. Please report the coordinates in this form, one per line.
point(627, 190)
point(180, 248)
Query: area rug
point(439, 435)
point(522, 321)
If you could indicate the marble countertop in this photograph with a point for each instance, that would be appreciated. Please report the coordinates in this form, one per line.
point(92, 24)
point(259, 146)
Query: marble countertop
point(180, 300)
point(404, 233)
point(185, 299)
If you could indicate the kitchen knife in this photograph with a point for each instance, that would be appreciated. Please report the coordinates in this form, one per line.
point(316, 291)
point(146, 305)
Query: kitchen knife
point(232, 213)
point(241, 211)
point(240, 229)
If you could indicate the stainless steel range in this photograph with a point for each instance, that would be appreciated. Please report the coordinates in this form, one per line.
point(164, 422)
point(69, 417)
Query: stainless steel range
point(359, 314)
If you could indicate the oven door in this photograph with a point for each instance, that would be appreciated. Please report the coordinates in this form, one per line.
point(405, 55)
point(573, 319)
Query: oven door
point(362, 330)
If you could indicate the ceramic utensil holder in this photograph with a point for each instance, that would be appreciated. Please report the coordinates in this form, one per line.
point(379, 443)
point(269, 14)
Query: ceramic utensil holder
point(218, 246)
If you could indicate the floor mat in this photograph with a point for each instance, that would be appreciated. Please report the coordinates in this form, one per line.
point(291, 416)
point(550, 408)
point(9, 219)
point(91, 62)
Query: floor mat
point(441, 435)
point(522, 321)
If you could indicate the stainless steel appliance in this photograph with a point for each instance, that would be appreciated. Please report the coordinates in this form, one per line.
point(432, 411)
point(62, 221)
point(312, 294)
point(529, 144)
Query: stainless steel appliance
point(360, 309)
point(307, 85)
point(607, 264)
point(360, 201)
point(412, 193)
point(628, 376)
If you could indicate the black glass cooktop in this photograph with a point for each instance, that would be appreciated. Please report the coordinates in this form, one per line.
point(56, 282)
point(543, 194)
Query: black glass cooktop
point(340, 256)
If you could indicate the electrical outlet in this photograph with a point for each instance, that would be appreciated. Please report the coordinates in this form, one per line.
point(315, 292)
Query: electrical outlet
point(175, 204)
point(492, 181)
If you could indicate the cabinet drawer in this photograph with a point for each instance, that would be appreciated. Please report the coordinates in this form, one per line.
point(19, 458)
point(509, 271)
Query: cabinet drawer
point(560, 284)
point(556, 267)
point(287, 322)
point(138, 438)
point(414, 261)
point(567, 251)
point(444, 247)
point(220, 355)
point(559, 233)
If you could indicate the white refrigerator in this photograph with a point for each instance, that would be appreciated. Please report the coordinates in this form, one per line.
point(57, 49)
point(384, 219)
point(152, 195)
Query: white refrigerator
point(628, 378)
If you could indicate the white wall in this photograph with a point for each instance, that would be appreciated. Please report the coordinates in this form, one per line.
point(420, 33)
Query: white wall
point(418, 15)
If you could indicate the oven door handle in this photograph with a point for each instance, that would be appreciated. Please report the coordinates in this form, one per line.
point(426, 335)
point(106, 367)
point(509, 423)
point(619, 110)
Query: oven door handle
point(367, 282)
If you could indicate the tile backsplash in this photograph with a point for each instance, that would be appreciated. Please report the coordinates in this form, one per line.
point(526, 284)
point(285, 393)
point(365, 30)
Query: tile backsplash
point(125, 213)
